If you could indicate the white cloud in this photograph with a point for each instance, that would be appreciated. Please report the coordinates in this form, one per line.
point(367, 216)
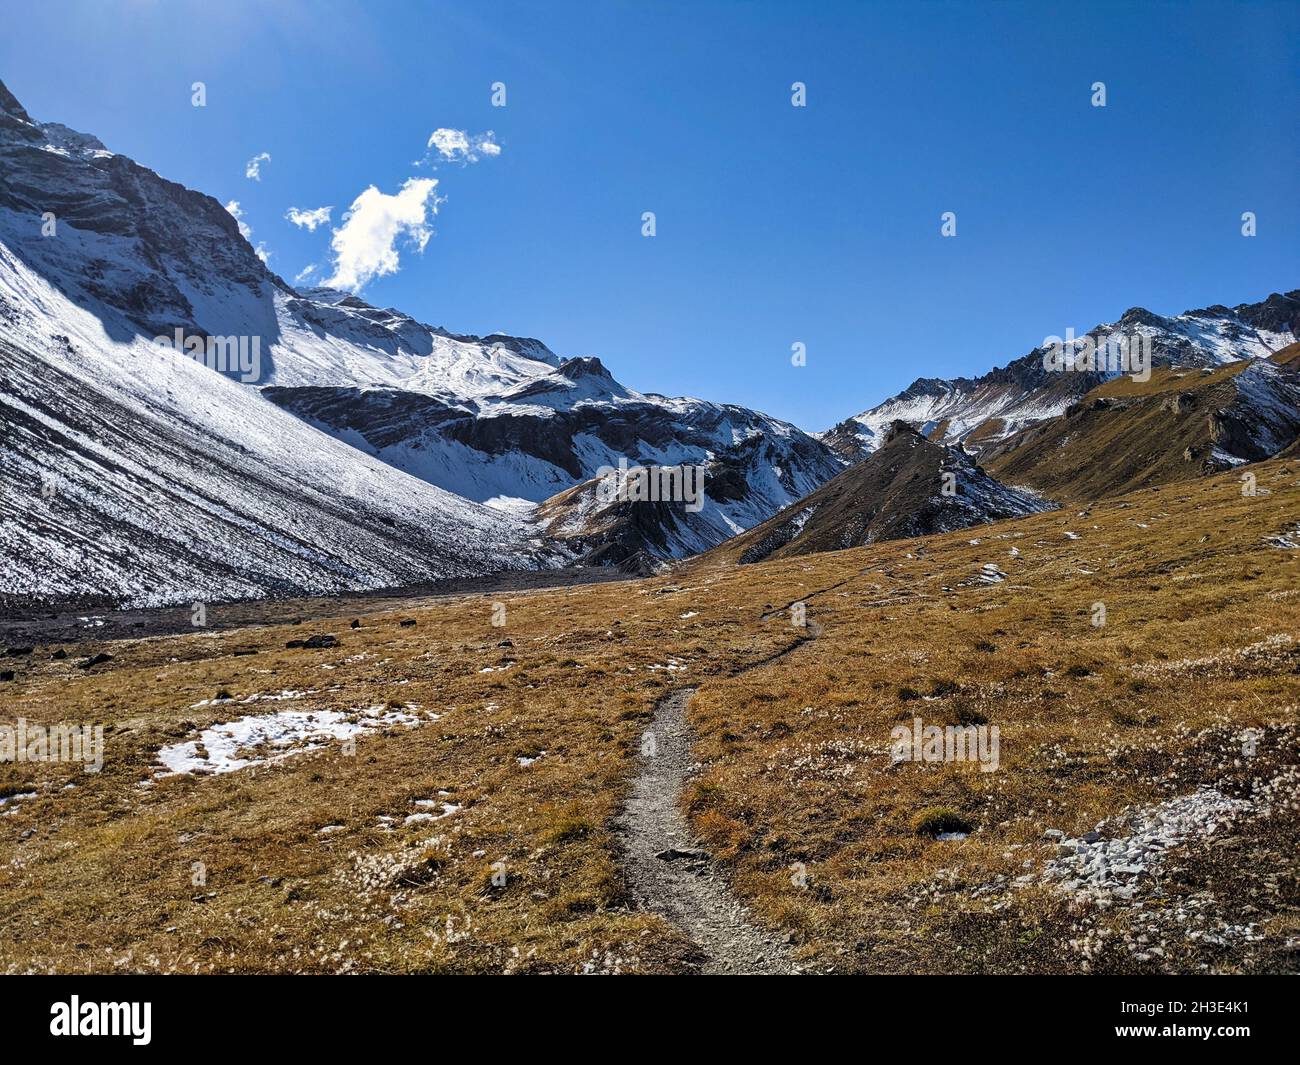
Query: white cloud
point(245, 230)
point(457, 146)
point(318, 216)
point(449, 142)
point(365, 245)
point(253, 169)
point(304, 274)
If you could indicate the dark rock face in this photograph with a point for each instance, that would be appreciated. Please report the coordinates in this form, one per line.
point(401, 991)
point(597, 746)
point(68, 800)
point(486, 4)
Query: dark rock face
point(909, 487)
point(584, 366)
point(95, 191)
point(382, 416)
point(634, 536)
point(1280, 313)
point(845, 441)
point(1232, 434)
point(12, 114)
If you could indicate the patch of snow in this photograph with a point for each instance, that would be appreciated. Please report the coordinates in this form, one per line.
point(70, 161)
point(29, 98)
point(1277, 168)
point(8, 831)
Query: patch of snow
point(263, 739)
point(11, 801)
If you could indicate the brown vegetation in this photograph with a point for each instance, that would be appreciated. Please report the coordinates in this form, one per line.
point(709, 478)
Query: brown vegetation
point(310, 863)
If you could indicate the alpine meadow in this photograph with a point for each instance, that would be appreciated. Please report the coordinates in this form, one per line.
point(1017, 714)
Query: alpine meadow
point(377, 596)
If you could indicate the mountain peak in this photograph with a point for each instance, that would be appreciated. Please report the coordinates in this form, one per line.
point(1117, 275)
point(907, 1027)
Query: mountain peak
point(584, 366)
point(898, 428)
point(894, 493)
point(11, 108)
point(1139, 316)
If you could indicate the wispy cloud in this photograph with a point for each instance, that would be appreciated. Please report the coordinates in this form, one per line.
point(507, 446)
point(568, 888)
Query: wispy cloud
point(246, 231)
point(457, 146)
point(309, 220)
point(253, 169)
point(365, 245)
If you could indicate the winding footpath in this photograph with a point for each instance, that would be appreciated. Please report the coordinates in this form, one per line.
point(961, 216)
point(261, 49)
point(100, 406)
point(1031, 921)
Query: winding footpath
point(669, 873)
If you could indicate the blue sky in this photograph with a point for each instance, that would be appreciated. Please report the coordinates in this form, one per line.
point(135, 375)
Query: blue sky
point(775, 224)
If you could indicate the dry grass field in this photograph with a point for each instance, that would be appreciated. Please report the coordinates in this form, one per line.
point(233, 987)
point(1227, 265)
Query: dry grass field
point(471, 826)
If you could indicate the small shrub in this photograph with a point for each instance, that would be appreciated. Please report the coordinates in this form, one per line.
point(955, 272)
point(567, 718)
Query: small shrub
point(720, 832)
point(935, 819)
point(566, 824)
point(965, 714)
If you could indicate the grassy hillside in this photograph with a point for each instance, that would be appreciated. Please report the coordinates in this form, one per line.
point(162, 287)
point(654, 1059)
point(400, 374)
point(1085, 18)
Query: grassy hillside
point(1288, 356)
point(384, 860)
point(1124, 435)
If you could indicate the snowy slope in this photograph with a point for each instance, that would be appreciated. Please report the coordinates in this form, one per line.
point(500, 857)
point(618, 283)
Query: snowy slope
point(143, 477)
point(318, 468)
point(132, 474)
point(992, 407)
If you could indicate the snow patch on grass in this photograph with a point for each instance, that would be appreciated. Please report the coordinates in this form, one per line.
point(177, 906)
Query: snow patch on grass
point(267, 738)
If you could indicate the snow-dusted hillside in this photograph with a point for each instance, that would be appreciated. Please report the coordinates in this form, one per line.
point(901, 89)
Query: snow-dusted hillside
point(141, 477)
point(992, 407)
point(133, 474)
point(909, 486)
point(543, 435)
point(318, 464)
point(1178, 425)
point(740, 485)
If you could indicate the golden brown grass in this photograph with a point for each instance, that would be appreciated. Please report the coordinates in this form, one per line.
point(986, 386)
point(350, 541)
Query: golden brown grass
point(1123, 436)
point(1166, 379)
point(797, 796)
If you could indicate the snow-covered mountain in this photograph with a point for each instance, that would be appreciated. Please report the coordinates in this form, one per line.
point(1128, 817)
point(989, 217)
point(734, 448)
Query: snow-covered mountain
point(538, 425)
point(978, 411)
point(739, 485)
point(135, 475)
point(141, 478)
point(354, 450)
